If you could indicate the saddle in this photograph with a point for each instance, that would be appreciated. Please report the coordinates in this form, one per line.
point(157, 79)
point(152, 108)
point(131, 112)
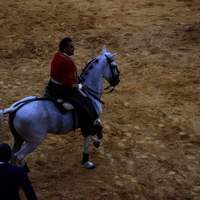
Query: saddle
point(62, 105)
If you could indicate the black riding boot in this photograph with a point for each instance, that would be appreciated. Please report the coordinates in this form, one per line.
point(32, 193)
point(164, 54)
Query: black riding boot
point(98, 130)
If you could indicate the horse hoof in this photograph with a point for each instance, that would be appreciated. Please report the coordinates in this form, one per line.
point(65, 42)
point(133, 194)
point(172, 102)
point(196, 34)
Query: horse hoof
point(97, 142)
point(89, 165)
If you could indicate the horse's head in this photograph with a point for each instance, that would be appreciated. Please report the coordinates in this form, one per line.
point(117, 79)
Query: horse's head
point(98, 68)
point(111, 73)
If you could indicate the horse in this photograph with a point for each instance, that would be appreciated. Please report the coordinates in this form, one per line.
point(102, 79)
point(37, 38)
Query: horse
point(32, 118)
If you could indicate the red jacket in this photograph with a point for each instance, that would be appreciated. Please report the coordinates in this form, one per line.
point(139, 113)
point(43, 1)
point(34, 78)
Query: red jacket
point(64, 70)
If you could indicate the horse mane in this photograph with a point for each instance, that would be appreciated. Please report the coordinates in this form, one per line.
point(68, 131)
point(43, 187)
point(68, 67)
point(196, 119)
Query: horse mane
point(88, 65)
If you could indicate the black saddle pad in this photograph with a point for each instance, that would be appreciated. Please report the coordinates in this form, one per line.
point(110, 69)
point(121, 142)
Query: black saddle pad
point(48, 95)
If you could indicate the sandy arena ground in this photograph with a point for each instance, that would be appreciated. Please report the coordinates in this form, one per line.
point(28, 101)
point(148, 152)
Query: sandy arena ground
point(151, 121)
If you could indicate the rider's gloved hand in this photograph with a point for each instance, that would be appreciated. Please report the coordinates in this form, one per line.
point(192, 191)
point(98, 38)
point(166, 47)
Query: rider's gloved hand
point(82, 87)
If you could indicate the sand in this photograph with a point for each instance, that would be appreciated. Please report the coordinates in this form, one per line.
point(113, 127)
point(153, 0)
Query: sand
point(150, 149)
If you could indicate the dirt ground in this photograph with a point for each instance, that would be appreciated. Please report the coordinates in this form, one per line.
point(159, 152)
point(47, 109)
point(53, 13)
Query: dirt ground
point(151, 144)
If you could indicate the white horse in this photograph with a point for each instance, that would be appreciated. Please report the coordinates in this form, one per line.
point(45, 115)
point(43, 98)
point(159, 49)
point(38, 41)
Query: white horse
point(31, 118)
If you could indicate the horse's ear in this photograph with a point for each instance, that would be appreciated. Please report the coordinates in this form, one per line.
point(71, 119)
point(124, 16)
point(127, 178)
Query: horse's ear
point(113, 55)
point(104, 50)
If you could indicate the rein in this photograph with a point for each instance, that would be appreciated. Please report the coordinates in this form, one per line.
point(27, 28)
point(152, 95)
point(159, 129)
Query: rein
point(103, 89)
point(99, 93)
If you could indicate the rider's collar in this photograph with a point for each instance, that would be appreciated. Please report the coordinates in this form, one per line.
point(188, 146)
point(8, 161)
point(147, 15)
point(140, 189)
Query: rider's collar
point(66, 54)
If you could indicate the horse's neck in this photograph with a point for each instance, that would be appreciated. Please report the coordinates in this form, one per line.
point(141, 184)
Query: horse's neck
point(94, 77)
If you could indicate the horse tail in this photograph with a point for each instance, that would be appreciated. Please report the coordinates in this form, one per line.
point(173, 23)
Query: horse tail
point(6, 111)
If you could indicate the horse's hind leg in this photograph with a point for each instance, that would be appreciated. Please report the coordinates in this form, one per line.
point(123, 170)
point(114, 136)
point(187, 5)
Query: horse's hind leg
point(19, 156)
point(16, 147)
point(32, 141)
point(18, 141)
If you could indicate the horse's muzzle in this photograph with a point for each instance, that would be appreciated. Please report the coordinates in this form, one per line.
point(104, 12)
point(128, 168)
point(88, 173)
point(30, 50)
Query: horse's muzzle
point(115, 81)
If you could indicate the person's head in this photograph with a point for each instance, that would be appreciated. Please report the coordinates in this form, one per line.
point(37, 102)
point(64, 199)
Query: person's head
point(5, 152)
point(67, 46)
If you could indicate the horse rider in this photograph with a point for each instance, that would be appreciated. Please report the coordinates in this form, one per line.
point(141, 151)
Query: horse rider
point(64, 84)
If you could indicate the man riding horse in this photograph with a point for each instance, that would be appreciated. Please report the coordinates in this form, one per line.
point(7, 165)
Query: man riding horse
point(32, 118)
point(64, 84)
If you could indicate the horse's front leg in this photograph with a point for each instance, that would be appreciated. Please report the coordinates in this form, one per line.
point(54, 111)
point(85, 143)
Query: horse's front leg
point(98, 132)
point(86, 146)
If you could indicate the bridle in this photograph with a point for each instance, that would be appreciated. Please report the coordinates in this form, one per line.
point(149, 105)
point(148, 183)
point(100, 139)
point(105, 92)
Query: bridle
point(114, 81)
